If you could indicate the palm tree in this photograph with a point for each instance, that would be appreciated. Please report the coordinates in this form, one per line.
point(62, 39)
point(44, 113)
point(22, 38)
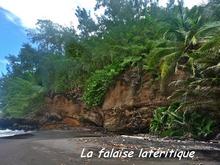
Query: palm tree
point(188, 34)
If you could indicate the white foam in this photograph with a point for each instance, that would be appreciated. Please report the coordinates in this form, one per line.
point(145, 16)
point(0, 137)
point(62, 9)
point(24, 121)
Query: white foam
point(8, 132)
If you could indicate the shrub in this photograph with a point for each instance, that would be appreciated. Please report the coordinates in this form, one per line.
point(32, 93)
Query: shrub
point(20, 97)
point(98, 84)
point(171, 122)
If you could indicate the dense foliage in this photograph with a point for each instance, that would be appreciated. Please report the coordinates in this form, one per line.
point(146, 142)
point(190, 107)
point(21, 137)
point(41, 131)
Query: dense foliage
point(22, 96)
point(172, 122)
point(128, 33)
point(98, 83)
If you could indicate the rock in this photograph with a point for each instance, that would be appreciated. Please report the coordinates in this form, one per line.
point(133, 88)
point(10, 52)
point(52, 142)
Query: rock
point(71, 122)
point(127, 107)
point(18, 123)
point(60, 110)
point(120, 94)
point(53, 117)
point(92, 117)
point(128, 119)
point(131, 89)
point(129, 104)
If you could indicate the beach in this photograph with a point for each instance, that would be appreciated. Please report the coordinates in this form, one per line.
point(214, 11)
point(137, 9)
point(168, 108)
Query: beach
point(64, 147)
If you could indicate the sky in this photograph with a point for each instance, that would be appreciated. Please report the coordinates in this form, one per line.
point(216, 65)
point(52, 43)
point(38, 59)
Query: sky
point(12, 35)
point(18, 15)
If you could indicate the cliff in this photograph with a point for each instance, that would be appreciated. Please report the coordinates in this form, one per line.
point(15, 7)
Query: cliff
point(128, 106)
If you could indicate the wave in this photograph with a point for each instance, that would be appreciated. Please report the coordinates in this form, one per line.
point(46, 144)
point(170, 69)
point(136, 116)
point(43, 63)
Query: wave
point(8, 132)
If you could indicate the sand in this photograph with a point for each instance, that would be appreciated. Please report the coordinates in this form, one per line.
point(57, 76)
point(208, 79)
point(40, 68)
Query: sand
point(60, 147)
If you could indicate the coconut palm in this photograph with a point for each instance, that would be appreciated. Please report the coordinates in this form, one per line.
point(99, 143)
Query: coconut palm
point(187, 35)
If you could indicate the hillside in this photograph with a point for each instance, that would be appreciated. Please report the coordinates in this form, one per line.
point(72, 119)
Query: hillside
point(136, 68)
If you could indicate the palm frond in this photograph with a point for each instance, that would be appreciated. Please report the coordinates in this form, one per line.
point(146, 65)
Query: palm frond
point(208, 28)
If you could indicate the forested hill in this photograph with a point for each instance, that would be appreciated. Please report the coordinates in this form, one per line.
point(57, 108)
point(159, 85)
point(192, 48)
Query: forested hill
point(131, 34)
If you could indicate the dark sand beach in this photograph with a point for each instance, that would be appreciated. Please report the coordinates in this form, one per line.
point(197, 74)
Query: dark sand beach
point(60, 147)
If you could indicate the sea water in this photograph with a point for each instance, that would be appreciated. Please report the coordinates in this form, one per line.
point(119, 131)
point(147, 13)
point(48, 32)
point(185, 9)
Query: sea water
point(8, 132)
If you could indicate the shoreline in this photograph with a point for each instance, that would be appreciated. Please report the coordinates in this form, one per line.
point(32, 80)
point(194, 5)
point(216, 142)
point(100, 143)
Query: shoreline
point(56, 147)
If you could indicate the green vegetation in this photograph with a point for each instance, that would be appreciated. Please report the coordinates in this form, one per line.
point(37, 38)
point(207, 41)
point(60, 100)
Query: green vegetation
point(130, 33)
point(172, 122)
point(22, 97)
point(98, 83)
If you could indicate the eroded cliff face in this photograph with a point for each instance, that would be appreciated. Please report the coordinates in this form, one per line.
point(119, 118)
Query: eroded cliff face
point(128, 106)
point(59, 112)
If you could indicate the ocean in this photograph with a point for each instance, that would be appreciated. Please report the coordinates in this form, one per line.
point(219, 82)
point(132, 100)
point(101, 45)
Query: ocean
point(9, 133)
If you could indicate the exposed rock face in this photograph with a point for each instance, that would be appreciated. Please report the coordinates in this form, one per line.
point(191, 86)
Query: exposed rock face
point(120, 94)
point(64, 107)
point(94, 117)
point(60, 112)
point(128, 106)
point(133, 88)
point(128, 118)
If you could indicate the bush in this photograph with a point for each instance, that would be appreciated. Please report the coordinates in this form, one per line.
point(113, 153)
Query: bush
point(60, 74)
point(98, 84)
point(170, 122)
point(20, 97)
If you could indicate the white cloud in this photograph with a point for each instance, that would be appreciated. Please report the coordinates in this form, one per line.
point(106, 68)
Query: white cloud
point(11, 17)
point(59, 11)
point(188, 3)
